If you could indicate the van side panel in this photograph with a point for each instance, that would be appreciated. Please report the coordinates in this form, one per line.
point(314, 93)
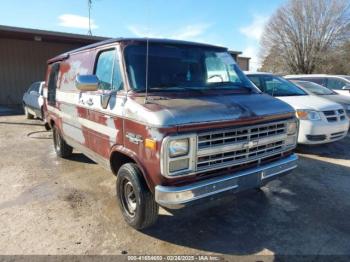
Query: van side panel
point(82, 123)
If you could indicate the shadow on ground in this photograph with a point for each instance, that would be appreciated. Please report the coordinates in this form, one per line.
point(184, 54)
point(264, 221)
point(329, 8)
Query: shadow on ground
point(79, 157)
point(338, 149)
point(303, 213)
point(21, 124)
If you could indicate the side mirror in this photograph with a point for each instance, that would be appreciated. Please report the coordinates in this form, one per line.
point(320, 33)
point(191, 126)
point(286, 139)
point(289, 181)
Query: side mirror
point(87, 82)
point(346, 87)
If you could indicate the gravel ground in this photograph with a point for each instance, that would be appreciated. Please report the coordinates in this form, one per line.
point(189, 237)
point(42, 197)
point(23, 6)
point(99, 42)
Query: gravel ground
point(55, 206)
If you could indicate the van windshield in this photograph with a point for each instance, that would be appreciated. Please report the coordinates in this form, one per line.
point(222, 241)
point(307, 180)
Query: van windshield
point(174, 67)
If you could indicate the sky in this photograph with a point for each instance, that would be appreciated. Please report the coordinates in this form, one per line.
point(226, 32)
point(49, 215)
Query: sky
point(236, 24)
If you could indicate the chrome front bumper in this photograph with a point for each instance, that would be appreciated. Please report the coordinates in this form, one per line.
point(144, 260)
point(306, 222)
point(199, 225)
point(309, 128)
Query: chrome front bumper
point(178, 197)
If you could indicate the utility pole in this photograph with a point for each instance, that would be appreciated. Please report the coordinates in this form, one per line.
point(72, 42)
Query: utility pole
point(89, 7)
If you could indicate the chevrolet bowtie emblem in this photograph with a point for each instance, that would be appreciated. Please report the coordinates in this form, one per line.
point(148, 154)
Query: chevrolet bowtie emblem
point(250, 144)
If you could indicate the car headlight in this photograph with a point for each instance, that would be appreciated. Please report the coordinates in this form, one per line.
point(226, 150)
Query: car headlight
point(308, 115)
point(291, 128)
point(178, 147)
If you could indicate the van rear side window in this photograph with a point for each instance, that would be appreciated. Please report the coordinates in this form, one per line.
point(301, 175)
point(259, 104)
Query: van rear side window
point(52, 85)
point(108, 70)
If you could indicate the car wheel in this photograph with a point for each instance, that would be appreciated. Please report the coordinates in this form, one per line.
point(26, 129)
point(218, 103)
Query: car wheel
point(27, 114)
point(134, 198)
point(61, 147)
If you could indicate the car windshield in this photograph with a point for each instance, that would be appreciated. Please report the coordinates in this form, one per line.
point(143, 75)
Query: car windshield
point(183, 67)
point(315, 88)
point(347, 77)
point(278, 86)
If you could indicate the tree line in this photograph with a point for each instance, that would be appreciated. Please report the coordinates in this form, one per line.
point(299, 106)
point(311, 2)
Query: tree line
point(307, 36)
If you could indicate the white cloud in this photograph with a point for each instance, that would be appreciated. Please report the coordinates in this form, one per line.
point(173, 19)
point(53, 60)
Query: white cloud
point(255, 29)
point(190, 32)
point(253, 33)
point(252, 52)
point(76, 21)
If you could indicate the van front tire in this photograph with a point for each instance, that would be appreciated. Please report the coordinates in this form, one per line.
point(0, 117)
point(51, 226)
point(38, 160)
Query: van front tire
point(61, 147)
point(134, 198)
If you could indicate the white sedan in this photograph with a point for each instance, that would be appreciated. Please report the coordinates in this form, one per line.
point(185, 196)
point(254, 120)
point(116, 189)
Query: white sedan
point(321, 120)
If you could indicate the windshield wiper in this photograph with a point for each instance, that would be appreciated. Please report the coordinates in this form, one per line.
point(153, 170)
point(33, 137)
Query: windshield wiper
point(224, 85)
point(175, 88)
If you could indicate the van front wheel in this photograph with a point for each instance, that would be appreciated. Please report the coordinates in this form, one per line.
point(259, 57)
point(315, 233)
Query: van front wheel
point(134, 198)
point(61, 147)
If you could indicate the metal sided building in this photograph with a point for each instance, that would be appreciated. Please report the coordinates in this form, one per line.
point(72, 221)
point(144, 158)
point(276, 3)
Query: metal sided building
point(23, 57)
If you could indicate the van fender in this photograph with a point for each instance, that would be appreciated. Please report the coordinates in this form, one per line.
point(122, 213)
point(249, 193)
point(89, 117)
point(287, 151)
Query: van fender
point(130, 154)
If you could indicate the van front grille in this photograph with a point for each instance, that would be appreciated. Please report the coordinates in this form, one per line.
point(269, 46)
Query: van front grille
point(235, 146)
point(231, 136)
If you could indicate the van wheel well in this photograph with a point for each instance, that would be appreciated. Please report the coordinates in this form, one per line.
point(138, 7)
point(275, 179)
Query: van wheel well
point(117, 160)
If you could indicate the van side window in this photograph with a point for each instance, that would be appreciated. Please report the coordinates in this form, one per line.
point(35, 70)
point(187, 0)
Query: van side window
point(108, 70)
point(334, 83)
point(319, 81)
point(117, 75)
point(52, 84)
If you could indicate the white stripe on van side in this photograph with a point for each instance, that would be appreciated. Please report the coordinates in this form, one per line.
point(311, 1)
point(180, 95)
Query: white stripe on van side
point(99, 128)
point(67, 97)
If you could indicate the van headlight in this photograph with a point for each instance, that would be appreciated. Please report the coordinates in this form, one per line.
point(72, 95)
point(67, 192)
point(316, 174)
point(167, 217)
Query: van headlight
point(178, 155)
point(292, 133)
point(292, 128)
point(178, 147)
point(308, 115)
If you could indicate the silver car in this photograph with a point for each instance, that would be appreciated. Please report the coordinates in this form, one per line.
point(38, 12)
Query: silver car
point(33, 101)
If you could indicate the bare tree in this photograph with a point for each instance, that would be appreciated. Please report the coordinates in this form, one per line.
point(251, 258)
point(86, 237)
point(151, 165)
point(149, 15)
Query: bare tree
point(302, 31)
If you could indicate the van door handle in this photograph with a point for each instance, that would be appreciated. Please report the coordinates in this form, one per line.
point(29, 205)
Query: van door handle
point(90, 102)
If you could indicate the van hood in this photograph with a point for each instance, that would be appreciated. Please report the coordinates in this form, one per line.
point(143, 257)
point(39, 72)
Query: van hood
point(310, 102)
point(177, 111)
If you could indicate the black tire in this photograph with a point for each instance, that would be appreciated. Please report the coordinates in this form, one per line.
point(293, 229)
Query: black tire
point(134, 198)
point(47, 126)
point(61, 147)
point(42, 117)
point(27, 114)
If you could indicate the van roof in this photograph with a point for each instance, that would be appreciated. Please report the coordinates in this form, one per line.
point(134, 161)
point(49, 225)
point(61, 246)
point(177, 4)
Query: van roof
point(135, 40)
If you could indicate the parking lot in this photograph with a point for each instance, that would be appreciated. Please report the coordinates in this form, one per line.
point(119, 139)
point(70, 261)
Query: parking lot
point(54, 206)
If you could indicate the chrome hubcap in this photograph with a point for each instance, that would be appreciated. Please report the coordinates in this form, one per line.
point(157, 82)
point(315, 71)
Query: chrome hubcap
point(129, 198)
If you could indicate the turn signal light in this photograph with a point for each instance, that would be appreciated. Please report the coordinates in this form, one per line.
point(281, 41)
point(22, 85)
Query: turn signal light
point(302, 114)
point(151, 144)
